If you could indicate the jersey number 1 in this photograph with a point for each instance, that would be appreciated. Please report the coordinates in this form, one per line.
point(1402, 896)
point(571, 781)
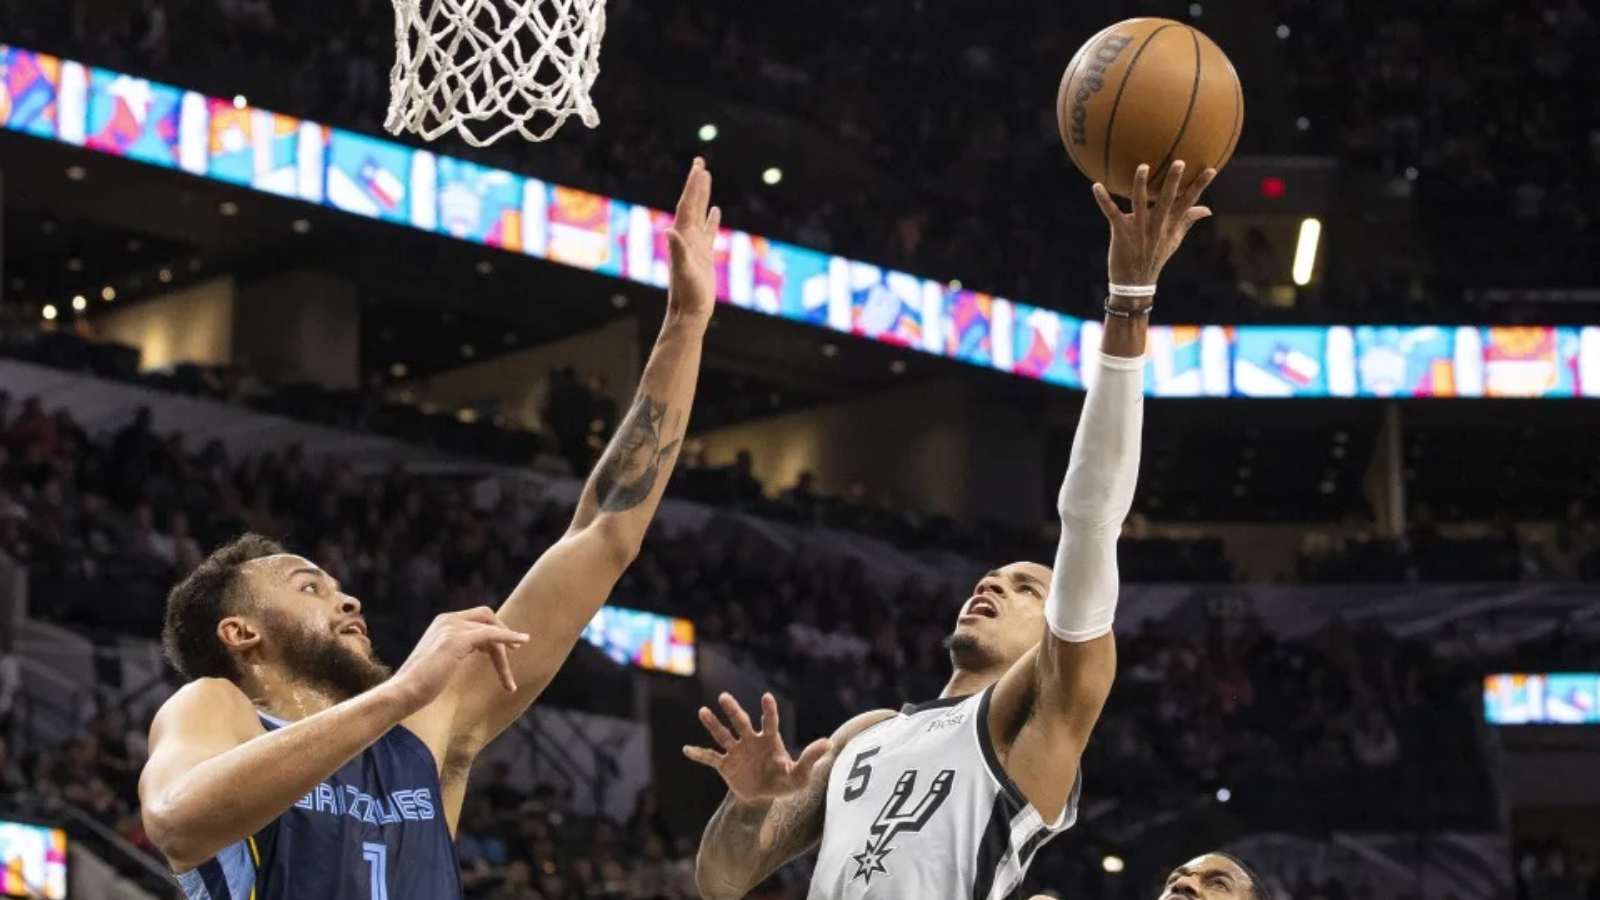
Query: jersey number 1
point(377, 857)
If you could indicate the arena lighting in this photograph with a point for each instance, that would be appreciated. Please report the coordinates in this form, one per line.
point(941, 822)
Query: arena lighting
point(1273, 187)
point(1195, 10)
point(108, 293)
point(1303, 123)
point(772, 175)
point(49, 312)
point(1283, 32)
point(1305, 251)
point(1112, 863)
point(1224, 795)
point(80, 303)
point(398, 370)
point(708, 132)
point(77, 173)
point(229, 208)
point(165, 275)
point(301, 226)
point(240, 101)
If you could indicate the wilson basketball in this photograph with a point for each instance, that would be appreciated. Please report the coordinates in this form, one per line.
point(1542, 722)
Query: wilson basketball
point(1149, 91)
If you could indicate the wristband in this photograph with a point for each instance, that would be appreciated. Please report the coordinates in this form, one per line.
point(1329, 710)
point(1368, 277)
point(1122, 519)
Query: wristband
point(1133, 290)
point(1139, 313)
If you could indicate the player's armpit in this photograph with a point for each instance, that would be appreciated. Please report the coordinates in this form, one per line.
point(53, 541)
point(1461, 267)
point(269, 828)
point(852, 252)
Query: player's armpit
point(744, 843)
point(1043, 712)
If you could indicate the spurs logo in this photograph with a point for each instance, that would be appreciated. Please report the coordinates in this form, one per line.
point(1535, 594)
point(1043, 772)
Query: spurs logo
point(894, 820)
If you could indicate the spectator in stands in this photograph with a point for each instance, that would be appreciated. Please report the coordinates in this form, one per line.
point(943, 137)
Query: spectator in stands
point(1373, 742)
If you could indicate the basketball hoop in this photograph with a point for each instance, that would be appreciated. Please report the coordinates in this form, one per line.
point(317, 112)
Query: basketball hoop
point(487, 68)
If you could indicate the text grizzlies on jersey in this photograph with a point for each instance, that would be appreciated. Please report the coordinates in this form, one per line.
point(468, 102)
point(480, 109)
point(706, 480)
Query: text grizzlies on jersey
point(413, 805)
point(1099, 61)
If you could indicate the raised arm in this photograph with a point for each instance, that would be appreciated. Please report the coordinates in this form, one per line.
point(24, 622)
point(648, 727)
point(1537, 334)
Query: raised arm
point(563, 590)
point(1045, 707)
point(775, 806)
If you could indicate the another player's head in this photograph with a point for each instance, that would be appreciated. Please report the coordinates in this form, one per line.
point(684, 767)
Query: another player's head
point(1215, 876)
point(1002, 620)
point(252, 608)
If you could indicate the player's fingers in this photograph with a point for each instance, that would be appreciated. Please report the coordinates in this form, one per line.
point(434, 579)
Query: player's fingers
point(810, 756)
point(502, 664)
point(1141, 192)
point(696, 192)
point(1196, 213)
point(484, 636)
point(769, 714)
point(718, 731)
point(1192, 195)
point(702, 756)
point(1108, 206)
point(714, 220)
point(736, 715)
point(1169, 187)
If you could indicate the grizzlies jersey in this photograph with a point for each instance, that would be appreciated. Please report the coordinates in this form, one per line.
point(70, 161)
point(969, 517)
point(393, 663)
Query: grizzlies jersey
point(374, 830)
point(918, 808)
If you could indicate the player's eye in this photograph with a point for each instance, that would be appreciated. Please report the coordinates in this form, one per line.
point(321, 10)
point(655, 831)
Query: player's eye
point(309, 587)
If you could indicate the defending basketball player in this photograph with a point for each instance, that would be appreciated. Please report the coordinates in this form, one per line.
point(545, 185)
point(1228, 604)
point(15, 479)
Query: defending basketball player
point(953, 797)
point(293, 765)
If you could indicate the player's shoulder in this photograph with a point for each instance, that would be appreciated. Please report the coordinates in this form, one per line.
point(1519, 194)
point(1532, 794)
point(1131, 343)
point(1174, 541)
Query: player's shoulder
point(855, 726)
point(212, 703)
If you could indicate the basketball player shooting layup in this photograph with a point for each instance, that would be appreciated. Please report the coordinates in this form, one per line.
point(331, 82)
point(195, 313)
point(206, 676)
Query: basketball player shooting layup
point(294, 766)
point(952, 798)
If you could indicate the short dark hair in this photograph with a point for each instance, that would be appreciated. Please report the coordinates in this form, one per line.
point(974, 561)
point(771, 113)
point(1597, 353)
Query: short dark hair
point(1259, 888)
point(212, 592)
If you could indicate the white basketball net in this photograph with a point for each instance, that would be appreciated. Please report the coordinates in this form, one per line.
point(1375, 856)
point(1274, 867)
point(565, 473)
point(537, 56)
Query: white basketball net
point(486, 68)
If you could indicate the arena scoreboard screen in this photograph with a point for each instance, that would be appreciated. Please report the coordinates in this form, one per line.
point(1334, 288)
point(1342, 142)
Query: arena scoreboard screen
point(1556, 698)
point(33, 860)
point(229, 141)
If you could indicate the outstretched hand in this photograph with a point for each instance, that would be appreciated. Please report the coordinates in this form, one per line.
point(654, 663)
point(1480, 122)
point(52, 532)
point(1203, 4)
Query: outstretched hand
point(1143, 240)
point(693, 289)
point(754, 763)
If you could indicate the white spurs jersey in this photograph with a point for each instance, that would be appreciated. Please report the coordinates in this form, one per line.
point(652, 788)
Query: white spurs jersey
point(920, 809)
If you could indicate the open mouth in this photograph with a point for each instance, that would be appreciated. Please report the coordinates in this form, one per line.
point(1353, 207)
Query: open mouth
point(354, 628)
point(981, 607)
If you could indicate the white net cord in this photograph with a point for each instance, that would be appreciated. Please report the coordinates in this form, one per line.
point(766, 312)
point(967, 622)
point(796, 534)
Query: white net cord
point(487, 68)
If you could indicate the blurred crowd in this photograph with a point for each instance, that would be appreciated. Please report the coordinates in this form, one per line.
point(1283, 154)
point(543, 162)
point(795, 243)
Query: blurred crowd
point(1486, 108)
point(1209, 699)
point(961, 175)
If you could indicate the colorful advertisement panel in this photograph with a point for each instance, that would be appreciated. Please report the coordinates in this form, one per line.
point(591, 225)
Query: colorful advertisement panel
point(112, 113)
point(1558, 698)
point(30, 84)
point(134, 118)
point(33, 861)
point(644, 640)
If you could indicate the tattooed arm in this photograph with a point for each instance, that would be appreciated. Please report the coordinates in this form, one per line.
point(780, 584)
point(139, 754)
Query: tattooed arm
point(776, 806)
point(569, 583)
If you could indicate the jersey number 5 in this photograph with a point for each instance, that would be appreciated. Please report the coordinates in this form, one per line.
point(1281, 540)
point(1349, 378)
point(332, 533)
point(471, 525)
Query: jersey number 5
point(859, 769)
point(377, 857)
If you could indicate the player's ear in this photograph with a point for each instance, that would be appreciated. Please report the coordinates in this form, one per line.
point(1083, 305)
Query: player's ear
point(238, 633)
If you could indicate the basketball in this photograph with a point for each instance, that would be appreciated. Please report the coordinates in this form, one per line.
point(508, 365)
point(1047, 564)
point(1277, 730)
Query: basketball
point(1150, 91)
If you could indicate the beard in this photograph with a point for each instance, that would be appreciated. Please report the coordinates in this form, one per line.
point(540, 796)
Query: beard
point(322, 661)
point(967, 653)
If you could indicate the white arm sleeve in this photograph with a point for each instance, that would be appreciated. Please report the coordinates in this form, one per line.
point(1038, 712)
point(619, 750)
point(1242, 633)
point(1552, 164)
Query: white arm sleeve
point(1095, 499)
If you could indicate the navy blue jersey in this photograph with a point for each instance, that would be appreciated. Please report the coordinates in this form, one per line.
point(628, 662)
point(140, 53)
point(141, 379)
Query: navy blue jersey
point(375, 830)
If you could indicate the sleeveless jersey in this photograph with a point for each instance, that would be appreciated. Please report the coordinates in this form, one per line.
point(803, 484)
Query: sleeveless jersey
point(918, 808)
point(374, 830)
